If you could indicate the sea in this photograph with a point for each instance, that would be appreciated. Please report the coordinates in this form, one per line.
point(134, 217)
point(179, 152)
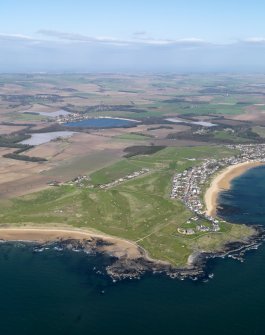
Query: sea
point(60, 292)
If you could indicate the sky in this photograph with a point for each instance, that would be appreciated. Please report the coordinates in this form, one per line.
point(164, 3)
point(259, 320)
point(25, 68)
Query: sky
point(132, 36)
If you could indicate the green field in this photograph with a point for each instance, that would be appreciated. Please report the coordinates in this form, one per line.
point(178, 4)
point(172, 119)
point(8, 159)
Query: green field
point(139, 210)
point(133, 137)
point(28, 117)
point(259, 130)
point(229, 137)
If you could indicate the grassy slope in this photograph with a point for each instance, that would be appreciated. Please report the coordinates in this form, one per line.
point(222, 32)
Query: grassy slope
point(259, 130)
point(227, 136)
point(139, 210)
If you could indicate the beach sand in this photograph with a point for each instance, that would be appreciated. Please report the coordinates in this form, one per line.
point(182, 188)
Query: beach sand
point(115, 246)
point(223, 182)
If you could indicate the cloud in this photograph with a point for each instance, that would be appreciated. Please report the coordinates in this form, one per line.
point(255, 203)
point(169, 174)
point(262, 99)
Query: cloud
point(79, 37)
point(62, 51)
point(139, 38)
point(254, 40)
point(182, 41)
point(15, 37)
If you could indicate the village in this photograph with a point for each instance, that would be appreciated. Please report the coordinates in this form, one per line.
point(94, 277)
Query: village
point(189, 185)
point(84, 181)
point(70, 117)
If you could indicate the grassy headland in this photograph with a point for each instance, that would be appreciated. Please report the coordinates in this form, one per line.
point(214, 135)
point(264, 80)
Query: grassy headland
point(139, 210)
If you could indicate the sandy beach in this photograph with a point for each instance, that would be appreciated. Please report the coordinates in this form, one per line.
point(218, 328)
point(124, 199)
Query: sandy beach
point(116, 246)
point(223, 182)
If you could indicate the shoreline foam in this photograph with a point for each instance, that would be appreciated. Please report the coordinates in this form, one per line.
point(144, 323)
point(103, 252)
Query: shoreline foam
point(118, 247)
point(128, 259)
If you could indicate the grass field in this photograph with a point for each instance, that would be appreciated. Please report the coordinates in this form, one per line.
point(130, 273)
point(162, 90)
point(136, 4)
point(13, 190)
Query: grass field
point(259, 130)
point(229, 137)
point(28, 117)
point(133, 137)
point(139, 210)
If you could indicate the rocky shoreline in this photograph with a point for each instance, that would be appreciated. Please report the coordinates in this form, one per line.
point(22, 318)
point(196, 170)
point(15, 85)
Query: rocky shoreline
point(125, 267)
point(235, 250)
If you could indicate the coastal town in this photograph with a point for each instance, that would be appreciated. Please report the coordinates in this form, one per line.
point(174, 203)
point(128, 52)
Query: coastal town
point(189, 185)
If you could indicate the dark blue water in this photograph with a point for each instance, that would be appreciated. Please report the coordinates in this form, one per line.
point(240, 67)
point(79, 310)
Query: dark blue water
point(61, 292)
point(101, 123)
point(245, 201)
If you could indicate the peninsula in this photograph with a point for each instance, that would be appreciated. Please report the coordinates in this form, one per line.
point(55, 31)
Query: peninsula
point(133, 218)
point(138, 176)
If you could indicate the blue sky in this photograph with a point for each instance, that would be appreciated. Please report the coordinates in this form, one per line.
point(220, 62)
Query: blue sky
point(132, 35)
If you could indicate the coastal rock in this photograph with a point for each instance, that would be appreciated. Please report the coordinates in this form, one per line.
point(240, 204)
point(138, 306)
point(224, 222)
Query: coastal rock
point(124, 263)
